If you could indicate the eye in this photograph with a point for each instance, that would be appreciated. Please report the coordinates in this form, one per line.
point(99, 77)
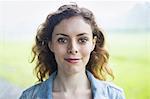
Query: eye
point(62, 40)
point(83, 40)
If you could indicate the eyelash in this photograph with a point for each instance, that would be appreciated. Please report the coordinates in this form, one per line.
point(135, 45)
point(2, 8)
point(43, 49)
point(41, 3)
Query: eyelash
point(82, 40)
point(62, 40)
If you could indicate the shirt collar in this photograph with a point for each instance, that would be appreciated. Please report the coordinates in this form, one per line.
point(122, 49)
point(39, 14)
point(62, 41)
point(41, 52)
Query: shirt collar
point(98, 87)
point(46, 88)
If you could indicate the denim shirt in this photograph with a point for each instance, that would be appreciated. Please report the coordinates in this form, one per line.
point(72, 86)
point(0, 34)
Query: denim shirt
point(100, 89)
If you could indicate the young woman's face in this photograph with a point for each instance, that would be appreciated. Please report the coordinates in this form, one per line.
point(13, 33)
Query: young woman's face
point(72, 42)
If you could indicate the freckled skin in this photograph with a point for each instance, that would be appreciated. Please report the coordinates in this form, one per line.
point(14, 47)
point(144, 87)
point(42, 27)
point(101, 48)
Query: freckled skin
point(72, 42)
point(72, 27)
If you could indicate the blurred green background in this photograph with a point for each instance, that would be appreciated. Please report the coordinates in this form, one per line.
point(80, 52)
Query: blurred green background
point(129, 59)
point(128, 37)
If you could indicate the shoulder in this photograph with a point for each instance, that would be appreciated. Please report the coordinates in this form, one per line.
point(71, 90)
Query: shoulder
point(31, 92)
point(111, 90)
point(41, 90)
point(105, 88)
point(115, 91)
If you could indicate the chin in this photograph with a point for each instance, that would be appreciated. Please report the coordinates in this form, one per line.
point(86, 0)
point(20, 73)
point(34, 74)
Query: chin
point(73, 70)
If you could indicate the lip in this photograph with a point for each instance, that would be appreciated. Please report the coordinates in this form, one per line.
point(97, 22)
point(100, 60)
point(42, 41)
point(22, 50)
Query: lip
point(72, 60)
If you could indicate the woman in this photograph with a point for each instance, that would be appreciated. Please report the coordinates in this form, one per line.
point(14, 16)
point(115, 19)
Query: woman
point(71, 58)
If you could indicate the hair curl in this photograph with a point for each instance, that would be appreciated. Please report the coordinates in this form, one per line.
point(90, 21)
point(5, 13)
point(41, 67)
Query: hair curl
point(45, 60)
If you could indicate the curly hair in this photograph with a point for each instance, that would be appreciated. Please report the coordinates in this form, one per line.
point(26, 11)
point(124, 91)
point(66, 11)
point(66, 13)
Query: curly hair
point(45, 59)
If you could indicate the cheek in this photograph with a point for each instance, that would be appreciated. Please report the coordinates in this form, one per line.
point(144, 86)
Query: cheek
point(86, 51)
point(58, 50)
point(59, 54)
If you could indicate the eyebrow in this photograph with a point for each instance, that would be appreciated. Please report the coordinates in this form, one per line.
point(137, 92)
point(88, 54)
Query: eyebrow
point(68, 35)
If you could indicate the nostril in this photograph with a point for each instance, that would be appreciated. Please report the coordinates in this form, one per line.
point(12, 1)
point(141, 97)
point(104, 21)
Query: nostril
point(72, 51)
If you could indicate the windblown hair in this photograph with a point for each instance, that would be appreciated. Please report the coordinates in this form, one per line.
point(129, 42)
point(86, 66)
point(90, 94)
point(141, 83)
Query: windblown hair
point(45, 59)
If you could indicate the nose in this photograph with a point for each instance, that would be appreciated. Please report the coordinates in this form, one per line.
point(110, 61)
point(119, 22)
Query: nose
point(72, 48)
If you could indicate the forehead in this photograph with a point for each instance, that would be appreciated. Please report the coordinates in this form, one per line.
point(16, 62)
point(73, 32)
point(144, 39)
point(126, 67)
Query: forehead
point(73, 26)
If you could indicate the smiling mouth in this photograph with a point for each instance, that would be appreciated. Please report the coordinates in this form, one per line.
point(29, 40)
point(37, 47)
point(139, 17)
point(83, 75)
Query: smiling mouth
point(72, 60)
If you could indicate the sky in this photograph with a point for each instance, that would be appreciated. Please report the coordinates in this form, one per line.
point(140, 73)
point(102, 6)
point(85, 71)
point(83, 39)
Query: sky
point(19, 19)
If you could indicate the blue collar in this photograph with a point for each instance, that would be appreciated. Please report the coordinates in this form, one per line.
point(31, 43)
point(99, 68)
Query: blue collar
point(98, 87)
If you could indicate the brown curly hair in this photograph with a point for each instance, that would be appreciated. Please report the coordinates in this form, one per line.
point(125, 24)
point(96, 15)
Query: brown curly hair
point(45, 60)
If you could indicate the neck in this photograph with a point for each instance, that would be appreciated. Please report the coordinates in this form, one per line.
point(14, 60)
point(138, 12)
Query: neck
point(71, 83)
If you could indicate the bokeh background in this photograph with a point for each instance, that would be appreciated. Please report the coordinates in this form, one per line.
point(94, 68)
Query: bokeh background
point(127, 28)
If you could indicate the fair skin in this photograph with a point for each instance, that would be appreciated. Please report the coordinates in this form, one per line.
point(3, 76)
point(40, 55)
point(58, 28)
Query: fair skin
point(72, 42)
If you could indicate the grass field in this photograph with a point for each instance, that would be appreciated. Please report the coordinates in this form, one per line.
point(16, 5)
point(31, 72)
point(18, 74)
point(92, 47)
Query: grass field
point(129, 59)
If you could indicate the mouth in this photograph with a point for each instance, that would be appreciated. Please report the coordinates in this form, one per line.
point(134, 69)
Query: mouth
point(72, 60)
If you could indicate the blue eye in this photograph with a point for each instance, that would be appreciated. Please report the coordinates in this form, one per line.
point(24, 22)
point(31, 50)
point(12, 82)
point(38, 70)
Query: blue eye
point(62, 40)
point(83, 40)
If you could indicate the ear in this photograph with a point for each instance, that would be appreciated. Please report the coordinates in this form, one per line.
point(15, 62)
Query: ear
point(50, 46)
point(94, 42)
